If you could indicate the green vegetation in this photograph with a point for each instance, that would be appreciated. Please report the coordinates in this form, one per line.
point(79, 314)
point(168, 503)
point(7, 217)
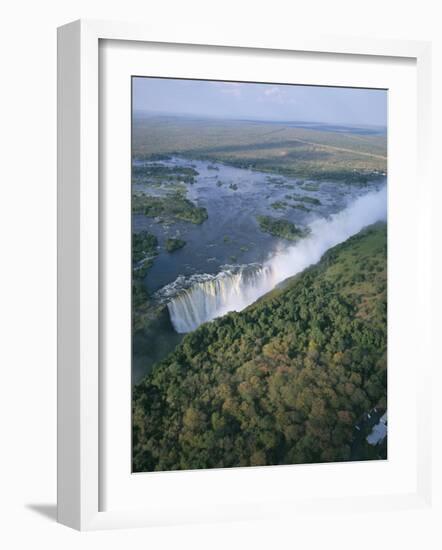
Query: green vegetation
point(174, 244)
point(282, 382)
point(160, 174)
point(282, 228)
point(153, 336)
point(279, 205)
point(307, 199)
point(140, 295)
point(283, 205)
point(275, 180)
point(144, 250)
point(173, 206)
point(269, 147)
point(310, 187)
point(301, 207)
point(144, 244)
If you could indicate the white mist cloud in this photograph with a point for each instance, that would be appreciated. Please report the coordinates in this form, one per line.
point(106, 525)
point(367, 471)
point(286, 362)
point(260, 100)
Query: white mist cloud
point(327, 233)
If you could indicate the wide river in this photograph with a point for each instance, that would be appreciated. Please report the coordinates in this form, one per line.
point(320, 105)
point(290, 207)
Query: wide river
point(231, 235)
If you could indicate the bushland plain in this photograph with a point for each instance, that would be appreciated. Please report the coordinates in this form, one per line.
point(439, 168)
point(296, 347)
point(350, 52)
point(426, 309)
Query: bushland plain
point(351, 154)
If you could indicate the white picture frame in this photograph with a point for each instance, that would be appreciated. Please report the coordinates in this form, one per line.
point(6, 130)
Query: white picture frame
point(79, 264)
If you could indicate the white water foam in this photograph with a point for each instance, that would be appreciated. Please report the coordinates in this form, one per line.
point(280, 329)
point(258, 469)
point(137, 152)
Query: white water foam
point(211, 296)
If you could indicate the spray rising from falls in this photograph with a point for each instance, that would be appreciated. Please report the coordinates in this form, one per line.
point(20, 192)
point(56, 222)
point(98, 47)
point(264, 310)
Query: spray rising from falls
point(208, 296)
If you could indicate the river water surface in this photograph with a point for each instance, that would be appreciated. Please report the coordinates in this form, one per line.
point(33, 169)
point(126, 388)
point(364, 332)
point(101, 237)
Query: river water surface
point(231, 235)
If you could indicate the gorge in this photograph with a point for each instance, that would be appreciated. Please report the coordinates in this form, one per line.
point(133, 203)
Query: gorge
point(200, 299)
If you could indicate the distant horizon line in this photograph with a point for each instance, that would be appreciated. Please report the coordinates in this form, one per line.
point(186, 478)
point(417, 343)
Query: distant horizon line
point(255, 119)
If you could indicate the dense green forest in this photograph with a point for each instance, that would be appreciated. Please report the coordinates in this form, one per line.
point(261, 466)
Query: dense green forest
point(282, 382)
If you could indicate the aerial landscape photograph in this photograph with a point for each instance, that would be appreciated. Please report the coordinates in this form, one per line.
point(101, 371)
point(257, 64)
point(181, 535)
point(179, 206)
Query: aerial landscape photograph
point(259, 274)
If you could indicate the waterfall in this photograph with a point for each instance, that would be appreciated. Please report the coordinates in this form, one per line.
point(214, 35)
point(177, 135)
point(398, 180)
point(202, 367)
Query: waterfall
point(210, 296)
point(232, 289)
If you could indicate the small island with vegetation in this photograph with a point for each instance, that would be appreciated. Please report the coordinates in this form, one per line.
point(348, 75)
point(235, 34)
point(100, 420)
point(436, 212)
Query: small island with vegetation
point(279, 205)
point(307, 199)
point(158, 174)
point(282, 228)
point(174, 244)
point(173, 206)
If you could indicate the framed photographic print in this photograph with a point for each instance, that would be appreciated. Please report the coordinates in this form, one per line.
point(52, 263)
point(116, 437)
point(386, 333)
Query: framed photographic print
point(243, 353)
point(232, 335)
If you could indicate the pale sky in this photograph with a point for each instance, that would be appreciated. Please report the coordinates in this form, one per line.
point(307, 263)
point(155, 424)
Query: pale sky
point(286, 102)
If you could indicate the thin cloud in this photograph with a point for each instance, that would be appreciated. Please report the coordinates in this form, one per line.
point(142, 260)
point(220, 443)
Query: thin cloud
point(233, 89)
point(274, 94)
point(274, 90)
